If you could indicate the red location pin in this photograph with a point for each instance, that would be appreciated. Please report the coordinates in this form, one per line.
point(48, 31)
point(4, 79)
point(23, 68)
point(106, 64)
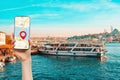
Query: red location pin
point(23, 34)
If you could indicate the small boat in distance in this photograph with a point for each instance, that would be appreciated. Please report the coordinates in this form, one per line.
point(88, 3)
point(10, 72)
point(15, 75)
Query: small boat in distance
point(74, 49)
point(10, 59)
point(2, 64)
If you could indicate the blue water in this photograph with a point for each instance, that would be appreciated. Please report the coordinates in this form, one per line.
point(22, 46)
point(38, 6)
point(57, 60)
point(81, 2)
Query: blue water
point(70, 68)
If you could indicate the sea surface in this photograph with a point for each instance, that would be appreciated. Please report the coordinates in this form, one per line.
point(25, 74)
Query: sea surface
point(70, 68)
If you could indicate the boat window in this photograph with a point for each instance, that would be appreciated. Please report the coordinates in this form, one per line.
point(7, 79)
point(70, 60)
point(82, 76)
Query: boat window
point(54, 48)
point(95, 50)
point(47, 44)
point(97, 45)
point(76, 49)
point(71, 45)
point(64, 49)
point(68, 45)
point(69, 49)
point(89, 49)
point(79, 45)
point(83, 45)
point(88, 45)
point(48, 48)
point(62, 45)
point(54, 44)
point(82, 49)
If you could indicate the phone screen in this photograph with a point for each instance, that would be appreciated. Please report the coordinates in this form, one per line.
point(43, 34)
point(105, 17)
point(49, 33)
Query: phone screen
point(22, 32)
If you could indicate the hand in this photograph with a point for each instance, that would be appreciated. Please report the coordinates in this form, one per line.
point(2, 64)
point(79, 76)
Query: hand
point(22, 54)
point(25, 57)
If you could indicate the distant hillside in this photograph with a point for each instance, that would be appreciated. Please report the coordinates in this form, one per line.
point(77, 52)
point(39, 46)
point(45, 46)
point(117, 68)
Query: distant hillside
point(102, 35)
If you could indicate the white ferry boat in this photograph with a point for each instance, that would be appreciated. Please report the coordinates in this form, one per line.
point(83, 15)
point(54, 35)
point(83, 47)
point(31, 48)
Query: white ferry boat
point(73, 49)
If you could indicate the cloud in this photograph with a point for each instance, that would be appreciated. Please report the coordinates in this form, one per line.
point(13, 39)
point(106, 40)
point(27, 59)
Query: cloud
point(11, 9)
point(78, 6)
point(106, 4)
point(44, 15)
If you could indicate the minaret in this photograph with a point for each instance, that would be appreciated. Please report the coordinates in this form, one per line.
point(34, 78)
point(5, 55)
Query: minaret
point(111, 37)
point(111, 28)
point(105, 30)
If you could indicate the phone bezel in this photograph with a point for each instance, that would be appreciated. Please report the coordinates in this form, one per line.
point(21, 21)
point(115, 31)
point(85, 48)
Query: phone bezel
point(28, 35)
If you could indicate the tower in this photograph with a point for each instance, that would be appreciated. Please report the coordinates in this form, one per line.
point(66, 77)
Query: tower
point(111, 28)
point(105, 30)
point(111, 31)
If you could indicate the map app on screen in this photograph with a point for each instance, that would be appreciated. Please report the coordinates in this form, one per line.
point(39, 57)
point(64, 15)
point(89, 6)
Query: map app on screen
point(22, 32)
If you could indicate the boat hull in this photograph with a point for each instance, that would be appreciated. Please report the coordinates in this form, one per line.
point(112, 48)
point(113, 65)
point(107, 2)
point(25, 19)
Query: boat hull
point(62, 53)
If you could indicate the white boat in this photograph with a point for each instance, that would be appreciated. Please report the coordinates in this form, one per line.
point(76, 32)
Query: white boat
point(2, 64)
point(73, 49)
point(10, 59)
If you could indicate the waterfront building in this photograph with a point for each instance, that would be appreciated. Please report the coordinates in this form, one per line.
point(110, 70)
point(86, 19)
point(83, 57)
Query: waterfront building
point(2, 38)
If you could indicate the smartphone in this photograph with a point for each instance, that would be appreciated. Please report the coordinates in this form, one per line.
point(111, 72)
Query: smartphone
point(22, 32)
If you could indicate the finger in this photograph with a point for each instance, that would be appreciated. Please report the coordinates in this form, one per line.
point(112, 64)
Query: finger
point(13, 47)
point(30, 42)
point(21, 57)
point(17, 55)
point(13, 42)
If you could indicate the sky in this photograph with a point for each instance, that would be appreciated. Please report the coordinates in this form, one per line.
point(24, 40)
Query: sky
point(62, 18)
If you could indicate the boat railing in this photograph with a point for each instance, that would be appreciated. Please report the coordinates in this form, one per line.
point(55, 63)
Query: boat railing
point(74, 46)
